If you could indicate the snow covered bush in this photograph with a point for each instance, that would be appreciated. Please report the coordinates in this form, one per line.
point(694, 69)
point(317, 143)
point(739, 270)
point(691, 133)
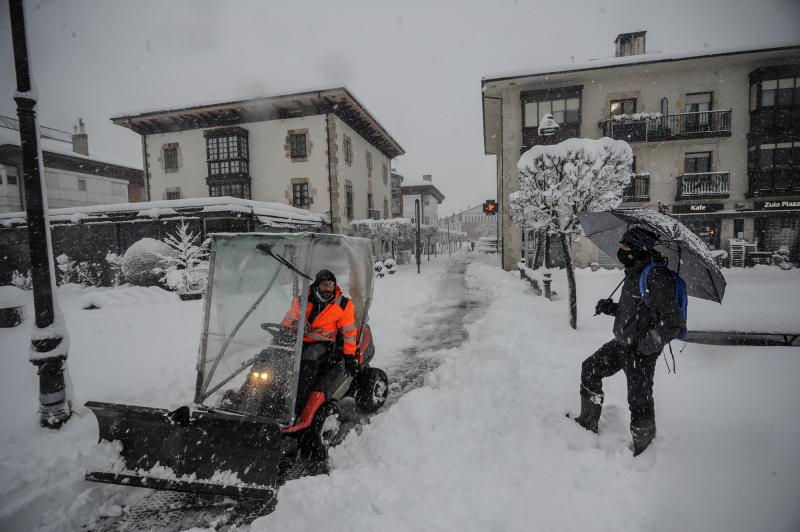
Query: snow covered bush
point(390, 265)
point(23, 282)
point(557, 182)
point(65, 269)
point(379, 268)
point(187, 264)
point(89, 273)
point(144, 261)
point(114, 262)
point(780, 258)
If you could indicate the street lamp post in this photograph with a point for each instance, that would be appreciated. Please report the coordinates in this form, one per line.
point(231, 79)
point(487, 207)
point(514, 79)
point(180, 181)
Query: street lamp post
point(419, 253)
point(49, 338)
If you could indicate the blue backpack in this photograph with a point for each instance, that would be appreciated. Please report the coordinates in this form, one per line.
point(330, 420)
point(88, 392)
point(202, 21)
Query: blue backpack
point(681, 296)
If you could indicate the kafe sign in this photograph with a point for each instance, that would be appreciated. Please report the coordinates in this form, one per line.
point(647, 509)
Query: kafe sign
point(776, 205)
point(697, 208)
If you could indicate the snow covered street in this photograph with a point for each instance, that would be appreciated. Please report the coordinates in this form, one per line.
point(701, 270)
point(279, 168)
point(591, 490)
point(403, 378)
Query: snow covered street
point(474, 438)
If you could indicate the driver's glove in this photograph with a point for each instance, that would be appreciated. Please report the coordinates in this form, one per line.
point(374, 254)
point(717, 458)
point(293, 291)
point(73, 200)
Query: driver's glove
point(351, 364)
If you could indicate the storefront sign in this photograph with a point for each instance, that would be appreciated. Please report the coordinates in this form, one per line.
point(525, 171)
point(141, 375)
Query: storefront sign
point(697, 208)
point(776, 205)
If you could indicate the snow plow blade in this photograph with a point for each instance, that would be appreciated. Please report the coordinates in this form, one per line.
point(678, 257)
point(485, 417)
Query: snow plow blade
point(223, 454)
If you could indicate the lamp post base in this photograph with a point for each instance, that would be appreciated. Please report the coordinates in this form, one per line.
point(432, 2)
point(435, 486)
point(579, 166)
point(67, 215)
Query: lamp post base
point(54, 408)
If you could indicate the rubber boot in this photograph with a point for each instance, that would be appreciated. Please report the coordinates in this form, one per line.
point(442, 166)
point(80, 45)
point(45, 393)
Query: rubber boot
point(642, 436)
point(591, 406)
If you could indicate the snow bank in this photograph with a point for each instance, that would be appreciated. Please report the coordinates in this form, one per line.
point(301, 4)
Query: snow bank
point(485, 445)
point(130, 295)
point(12, 297)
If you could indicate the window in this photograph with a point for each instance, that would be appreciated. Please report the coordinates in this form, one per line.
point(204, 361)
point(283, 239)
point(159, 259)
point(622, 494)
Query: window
point(664, 106)
point(235, 190)
point(697, 162)
point(11, 179)
point(369, 201)
point(385, 208)
point(170, 157)
point(348, 201)
point(385, 175)
point(174, 193)
point(347, 146)
point(738, 228)
point(369, 164)
point(426, 220)
point(564, 111)
point(82, 184)
point(622, 107)
point(300, 197)
point(297, 144)
point(227, 152)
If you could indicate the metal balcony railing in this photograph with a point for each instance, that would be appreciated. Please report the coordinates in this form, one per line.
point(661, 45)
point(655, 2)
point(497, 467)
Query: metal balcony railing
point(704, 184)
point(374, 214)
point(638, 189)
point(670, 127)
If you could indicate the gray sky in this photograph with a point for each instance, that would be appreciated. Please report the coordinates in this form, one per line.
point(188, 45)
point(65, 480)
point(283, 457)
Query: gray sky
point(416, 65)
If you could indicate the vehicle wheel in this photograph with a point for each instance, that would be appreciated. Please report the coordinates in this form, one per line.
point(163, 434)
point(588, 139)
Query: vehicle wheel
point(373, 390)
point(324, 430)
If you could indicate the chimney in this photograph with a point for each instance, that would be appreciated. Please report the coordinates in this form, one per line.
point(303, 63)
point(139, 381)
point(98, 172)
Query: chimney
point(428, 178)
point(80, 140)
point(630, 44)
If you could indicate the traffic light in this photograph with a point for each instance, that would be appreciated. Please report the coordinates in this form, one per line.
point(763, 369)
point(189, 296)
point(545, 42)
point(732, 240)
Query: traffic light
point(490, 207)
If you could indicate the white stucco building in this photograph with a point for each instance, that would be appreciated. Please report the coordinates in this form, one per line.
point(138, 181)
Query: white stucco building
point(72, 176)
point(429, 199)
point(714, 136)
point(318, 150)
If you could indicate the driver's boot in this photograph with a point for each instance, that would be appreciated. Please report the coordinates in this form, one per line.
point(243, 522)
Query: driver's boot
point(591, 407)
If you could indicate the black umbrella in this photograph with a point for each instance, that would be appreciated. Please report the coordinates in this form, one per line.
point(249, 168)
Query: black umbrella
point(684, 251)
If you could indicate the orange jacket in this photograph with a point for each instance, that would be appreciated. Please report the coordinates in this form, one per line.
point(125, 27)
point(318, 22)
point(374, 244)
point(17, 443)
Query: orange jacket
point(333, 318)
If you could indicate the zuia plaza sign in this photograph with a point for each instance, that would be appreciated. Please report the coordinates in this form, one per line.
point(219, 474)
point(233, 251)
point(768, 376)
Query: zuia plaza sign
point(774, 205)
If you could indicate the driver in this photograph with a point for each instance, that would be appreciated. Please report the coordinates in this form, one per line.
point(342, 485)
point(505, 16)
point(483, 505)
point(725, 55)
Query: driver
point(328, 313)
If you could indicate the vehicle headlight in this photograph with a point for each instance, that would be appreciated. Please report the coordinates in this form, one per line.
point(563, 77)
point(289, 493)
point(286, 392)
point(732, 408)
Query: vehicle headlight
point(261, 377)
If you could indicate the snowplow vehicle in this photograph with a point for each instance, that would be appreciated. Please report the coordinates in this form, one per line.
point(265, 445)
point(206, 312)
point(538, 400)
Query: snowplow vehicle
point(246, 417)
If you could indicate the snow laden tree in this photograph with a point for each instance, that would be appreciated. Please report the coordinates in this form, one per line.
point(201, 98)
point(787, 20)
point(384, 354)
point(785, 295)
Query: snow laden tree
point(187, 262)
point(386, 232)
point(559, 181)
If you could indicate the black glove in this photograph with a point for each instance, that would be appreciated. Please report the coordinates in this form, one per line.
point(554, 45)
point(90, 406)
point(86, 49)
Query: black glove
point(351, 364)
point(605, 306)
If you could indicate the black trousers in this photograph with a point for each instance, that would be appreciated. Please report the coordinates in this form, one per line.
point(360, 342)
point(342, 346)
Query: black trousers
point(315, 359)
point(639, 370)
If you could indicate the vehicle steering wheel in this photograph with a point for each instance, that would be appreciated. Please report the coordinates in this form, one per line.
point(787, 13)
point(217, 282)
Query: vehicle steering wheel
point(275, 329)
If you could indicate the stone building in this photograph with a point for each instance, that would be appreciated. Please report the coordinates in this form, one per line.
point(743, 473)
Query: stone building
point(73, 176)
point(715, 136)
point(317, 150)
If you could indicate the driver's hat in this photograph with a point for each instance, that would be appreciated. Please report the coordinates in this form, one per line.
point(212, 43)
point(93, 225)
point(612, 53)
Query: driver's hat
point(324, 275)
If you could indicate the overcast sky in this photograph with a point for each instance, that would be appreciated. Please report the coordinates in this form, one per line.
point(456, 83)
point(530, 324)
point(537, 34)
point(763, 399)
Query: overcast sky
point(416, 65)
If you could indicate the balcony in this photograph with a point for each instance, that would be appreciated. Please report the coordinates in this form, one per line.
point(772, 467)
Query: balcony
point(654, 127)
point(704, 185)
point(638, 189)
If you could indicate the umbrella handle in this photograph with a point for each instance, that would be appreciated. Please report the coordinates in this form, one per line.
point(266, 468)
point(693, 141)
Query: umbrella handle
point(617, 288)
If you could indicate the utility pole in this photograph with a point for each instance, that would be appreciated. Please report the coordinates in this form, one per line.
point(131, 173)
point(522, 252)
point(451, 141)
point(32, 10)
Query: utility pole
point(49, 338)
point(419, 251)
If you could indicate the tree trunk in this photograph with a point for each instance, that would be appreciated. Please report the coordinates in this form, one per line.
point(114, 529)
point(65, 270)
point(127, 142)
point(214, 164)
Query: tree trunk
point(535, 263)
point(573, 298)
point(546, 250)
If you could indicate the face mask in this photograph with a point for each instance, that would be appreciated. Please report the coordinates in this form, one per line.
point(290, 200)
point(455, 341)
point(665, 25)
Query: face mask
point(627, 257)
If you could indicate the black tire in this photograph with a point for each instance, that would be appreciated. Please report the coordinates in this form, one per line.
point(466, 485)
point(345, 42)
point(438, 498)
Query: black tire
point(324, 431)
point(373, 389)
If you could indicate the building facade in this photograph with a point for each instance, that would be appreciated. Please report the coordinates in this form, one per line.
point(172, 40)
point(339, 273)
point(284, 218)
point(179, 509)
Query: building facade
point(397, 195)
point(714, 136)
point(73, 178)
point(319, 150)
point(474, 222)
point(429, 199)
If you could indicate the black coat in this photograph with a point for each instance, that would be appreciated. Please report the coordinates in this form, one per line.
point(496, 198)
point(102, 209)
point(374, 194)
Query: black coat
point(649, 327)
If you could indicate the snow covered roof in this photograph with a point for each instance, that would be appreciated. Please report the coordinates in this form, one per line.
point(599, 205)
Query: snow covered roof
point(10, 136)
point(419, 186)
point(338, 100)
point(275, 214)
point(611, 62)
